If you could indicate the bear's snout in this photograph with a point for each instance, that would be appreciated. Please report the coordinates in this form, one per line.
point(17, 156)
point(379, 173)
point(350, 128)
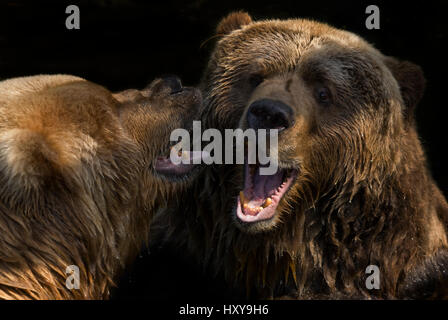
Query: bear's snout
point(269, 114)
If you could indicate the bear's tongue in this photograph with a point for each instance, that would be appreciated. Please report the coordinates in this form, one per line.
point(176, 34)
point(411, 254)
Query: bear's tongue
point(258, 189)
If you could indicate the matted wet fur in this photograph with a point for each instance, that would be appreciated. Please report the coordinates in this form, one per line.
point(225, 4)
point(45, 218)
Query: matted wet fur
point(77, 184)
point(363, 194)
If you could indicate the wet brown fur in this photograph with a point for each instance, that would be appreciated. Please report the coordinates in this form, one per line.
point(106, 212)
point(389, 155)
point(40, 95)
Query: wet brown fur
point(76, 180)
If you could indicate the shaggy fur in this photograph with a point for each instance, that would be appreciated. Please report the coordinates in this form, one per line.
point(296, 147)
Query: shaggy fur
point(363, 194)
point(76, 180)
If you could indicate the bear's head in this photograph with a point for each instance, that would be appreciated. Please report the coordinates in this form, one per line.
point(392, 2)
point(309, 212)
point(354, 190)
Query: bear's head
point(150, 115)
point(342, 109)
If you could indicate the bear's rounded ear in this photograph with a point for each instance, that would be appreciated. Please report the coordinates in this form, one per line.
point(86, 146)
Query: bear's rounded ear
point(411, 80)
point(233, 21)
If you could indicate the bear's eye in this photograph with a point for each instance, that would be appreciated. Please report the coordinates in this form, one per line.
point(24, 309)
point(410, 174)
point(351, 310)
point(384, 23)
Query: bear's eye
point(323, 95)
point(255, 80)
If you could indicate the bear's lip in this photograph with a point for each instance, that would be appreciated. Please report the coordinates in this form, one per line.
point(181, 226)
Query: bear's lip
point(261, 195)
point(165, 167)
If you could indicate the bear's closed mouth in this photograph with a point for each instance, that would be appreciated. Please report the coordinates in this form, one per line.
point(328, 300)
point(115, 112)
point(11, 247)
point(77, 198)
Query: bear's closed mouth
point(262, 193)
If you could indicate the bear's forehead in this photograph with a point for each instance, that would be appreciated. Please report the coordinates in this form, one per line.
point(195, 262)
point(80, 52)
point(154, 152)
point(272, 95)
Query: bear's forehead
point(294, 29)
point(279, 45)
point(287, 40)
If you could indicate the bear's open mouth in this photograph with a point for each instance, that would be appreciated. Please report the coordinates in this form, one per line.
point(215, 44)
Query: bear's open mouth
point(165, 167)
point(262, 193)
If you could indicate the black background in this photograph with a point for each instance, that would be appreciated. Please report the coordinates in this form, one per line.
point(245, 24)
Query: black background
point(123, 44)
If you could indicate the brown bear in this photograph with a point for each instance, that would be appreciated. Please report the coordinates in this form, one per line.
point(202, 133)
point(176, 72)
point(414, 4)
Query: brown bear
point(81, 172)
point(352, 211)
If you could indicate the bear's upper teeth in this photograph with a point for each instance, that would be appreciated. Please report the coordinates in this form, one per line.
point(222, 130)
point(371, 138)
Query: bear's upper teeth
point(243, 199)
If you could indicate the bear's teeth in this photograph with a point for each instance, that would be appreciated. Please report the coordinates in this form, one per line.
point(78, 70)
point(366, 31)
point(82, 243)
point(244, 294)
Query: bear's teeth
point(185, 155)
point(243, 199)
point(267, 202)
point(258, 209)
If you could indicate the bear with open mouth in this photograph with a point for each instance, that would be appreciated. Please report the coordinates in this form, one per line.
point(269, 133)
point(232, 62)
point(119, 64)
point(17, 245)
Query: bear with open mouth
point(352, 189)
point(81, 172)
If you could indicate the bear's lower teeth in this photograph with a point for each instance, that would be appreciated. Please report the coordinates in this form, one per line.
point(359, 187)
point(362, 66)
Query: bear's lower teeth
point(245, 205)
point(267, 202)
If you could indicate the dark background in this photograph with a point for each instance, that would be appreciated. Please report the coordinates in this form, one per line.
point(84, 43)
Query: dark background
point(124, 44)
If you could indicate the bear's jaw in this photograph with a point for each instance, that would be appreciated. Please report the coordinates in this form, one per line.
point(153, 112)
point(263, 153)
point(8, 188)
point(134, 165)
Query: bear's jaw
point(262, 194)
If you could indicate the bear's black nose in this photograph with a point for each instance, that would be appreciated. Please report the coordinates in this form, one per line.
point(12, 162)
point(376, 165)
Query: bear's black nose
point(173, 82)
point(269, 114)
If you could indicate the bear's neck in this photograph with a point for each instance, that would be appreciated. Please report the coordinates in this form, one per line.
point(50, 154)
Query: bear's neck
point(48, 256)
point(82, 240)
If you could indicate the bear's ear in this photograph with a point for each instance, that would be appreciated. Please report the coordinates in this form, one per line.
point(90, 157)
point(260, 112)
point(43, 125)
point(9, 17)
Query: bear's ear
point(411, 80)
point(233, 21)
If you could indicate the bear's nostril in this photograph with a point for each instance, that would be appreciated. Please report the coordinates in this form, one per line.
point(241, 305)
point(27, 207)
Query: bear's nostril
point(174, 83)
point(269, 114)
